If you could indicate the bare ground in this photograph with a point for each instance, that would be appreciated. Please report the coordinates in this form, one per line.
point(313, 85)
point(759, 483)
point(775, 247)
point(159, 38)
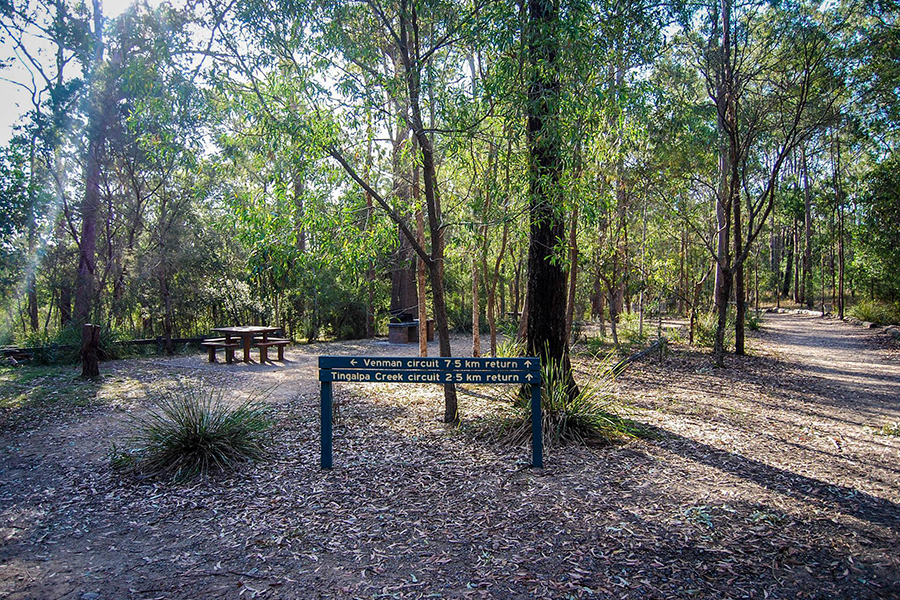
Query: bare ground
point(767, 480)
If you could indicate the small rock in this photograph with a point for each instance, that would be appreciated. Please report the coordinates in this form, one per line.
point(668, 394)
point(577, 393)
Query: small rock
point(90, 596)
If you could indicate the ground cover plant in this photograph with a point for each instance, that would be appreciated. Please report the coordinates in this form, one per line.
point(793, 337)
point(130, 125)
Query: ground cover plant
point(190, 431)
point(594, 415)
point(880, 313)
point(764, 479)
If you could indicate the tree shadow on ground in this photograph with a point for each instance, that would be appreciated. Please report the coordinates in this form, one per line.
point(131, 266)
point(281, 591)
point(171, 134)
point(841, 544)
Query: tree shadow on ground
point(842, 499)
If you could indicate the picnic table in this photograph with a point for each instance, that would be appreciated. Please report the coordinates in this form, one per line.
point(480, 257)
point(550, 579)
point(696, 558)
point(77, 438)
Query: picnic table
point(246, 333)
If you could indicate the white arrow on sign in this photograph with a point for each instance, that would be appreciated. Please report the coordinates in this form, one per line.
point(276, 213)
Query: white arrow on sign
point(528, 376)
point(353, 362)
point(527, 363)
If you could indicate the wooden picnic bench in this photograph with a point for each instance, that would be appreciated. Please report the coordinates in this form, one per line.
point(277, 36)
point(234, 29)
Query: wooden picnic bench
point(244, 336)
point(264, 345)
point(212, 345)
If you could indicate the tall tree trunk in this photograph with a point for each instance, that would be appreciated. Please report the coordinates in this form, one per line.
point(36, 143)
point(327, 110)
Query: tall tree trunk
point(796, 236)
point(370, 271)
point(476, 310)
point(682, 275)
point(643, 274)
point(727, 120)
point(739, 294)
point(31, 263)
point(573, 272)
point(492, 288)
point(102, 105)
point(788, 266)
point(403, 273)
point(420, 278)
point(546, 335)
point(840, 294)
point(806, 292)
point(433, 204)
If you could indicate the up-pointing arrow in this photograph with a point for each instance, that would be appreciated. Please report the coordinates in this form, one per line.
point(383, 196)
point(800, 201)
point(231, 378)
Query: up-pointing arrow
point(528, 376)
point(352, 362)
point(527, 363)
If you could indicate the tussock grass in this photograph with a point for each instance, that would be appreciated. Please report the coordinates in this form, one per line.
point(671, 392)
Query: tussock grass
point(880, 313)
point(590, 416)
point(190, 432)
point(892, 429)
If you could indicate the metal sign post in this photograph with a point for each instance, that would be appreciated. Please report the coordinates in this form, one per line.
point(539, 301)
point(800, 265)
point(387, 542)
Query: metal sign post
point(402, 369)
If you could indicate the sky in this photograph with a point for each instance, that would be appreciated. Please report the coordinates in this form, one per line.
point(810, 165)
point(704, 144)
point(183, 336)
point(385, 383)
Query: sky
point(14, 100)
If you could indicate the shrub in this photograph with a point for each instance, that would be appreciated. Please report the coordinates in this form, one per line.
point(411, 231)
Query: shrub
point(629, 329)
point(63, 347)
point(752, 320)
point(705, 330)
point(588, 416)
point(191, 431)
point(892, 429)
point(880, 313)
point(510, 347)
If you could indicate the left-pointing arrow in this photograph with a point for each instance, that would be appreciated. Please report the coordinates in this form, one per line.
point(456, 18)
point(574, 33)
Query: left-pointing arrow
point(353, 362)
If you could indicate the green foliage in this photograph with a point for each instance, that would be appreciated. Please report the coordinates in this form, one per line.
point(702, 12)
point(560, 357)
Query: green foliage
point(629, 330)
point(591, 415)
point(705, 329)
point(891, 429)
point(594, 345)
point(191, 432)
point(63, 346)
point(510, 347)
point(879, 238)
point(752, 320)
point(880, 313)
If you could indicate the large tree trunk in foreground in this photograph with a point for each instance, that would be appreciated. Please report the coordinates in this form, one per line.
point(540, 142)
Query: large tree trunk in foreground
point(546, 330)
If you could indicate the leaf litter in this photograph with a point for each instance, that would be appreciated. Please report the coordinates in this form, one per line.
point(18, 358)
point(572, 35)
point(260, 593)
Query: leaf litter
point(741, 495)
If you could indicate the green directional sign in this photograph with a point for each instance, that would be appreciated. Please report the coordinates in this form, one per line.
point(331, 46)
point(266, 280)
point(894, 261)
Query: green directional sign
point(440, 370)
point(428, 376)
point(404, 362)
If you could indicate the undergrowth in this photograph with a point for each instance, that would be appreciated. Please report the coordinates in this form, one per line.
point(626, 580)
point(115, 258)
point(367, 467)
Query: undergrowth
point(63, 347)
point(190, 431)
point(705, 329)
point(891, 429)
point(590, 415)
point(880, 313)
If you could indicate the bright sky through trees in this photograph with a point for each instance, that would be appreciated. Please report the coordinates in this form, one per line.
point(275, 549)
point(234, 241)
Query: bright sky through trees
point(16, 100)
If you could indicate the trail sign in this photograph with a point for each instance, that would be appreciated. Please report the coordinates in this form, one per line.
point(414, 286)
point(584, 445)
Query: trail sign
point(404, 369)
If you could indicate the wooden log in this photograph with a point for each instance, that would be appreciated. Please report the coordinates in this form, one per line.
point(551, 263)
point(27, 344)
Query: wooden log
point(90, 355)
point(622, 364)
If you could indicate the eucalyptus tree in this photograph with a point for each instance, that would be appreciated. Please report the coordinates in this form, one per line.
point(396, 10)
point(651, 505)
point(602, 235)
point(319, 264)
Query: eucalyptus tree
point(308, 40)
point(47, 41)
point(770, 74)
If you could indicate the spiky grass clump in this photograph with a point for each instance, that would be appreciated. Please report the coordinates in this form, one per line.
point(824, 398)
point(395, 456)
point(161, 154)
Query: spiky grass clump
point(892, 429)
point(191, 432)
point(753, 320)
point(590, 415)
point(880, 313)
point(510, 347)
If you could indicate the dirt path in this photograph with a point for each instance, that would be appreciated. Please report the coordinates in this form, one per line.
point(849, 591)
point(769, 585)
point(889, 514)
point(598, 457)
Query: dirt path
point(767, 480)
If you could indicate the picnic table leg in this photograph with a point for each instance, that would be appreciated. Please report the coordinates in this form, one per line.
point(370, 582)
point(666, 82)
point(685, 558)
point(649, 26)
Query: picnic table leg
point(246, 340)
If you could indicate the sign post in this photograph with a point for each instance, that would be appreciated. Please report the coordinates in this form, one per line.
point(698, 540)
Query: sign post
point(442, 370)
